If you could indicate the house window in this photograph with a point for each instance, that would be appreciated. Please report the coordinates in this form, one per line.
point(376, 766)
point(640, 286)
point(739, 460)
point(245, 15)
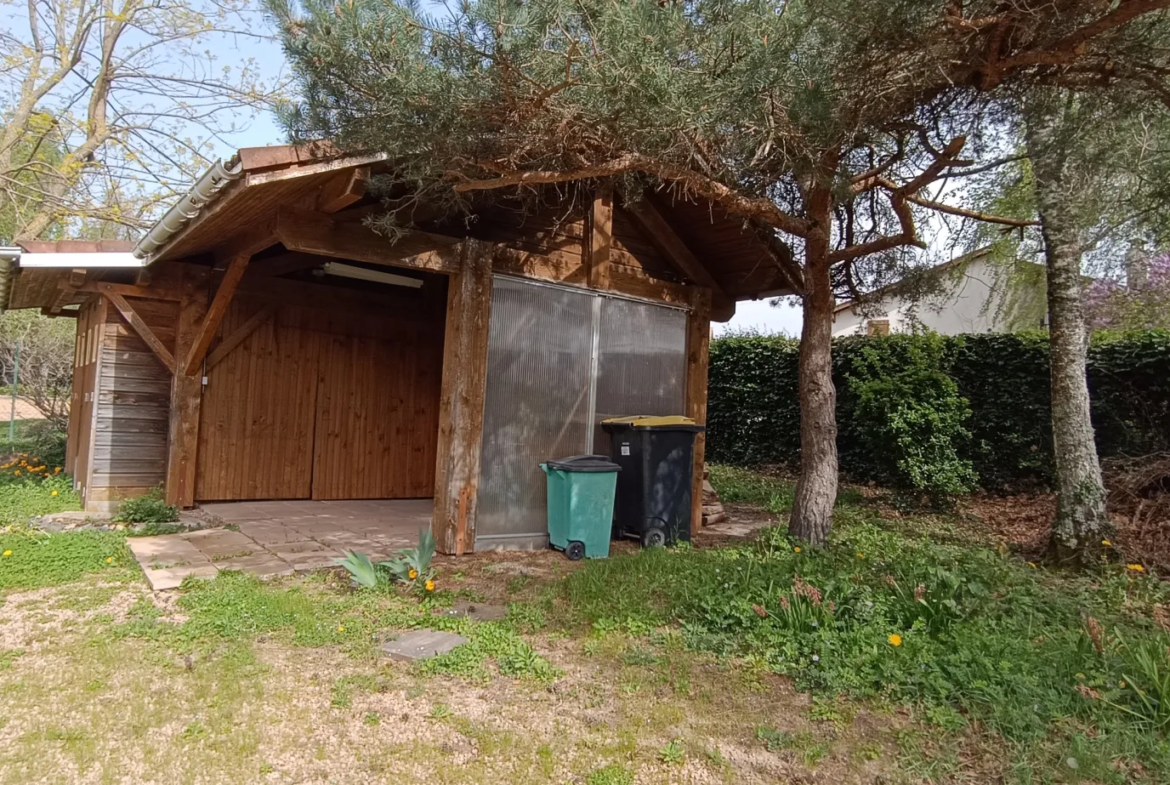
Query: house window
point(878, 327)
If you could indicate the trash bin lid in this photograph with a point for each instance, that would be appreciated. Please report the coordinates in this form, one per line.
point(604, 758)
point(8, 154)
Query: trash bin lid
point(584, 463)
point(674, 422)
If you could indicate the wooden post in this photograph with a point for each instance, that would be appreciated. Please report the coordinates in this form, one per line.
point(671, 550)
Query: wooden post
point(600, 237)
point(698, 347)
point(469, 304)
point(186, 393)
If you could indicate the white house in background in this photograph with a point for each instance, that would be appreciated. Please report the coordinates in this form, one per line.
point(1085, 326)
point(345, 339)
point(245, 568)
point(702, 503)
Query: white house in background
point(973, 293)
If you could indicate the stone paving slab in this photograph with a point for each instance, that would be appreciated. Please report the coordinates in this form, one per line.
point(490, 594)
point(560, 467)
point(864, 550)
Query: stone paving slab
point(170, 578)
point(268, 539)
point(422, 645)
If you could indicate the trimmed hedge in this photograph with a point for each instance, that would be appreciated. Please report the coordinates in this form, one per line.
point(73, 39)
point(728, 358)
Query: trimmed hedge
point(753, 415)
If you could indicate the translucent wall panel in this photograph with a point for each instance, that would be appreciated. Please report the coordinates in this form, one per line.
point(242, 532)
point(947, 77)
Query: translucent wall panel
point(641, 365)
point(537, 404)
point(560, 361)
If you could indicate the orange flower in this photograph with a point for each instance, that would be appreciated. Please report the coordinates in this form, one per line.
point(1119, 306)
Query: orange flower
point(895, 640)
point(1135, 567)
point(430, 585)
point(412, 574)
point(16, 473)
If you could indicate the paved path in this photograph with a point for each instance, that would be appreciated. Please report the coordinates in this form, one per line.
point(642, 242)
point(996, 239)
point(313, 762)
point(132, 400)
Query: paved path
point(279, 538)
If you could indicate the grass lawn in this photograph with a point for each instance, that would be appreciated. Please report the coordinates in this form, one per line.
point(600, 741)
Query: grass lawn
point(911, 650)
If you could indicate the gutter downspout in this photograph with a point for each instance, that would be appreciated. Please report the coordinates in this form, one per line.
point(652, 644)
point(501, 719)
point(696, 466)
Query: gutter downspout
point(9, 259)
point(205, 190)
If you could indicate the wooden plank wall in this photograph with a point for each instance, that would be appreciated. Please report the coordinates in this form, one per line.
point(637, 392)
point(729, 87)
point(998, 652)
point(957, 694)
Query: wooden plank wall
point(325, 403)
point(132, 404)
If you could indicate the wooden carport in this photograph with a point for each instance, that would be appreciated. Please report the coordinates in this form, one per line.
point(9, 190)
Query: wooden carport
point(230, 308)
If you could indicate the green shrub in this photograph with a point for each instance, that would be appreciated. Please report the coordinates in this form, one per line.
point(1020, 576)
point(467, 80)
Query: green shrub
point(753, 416)
point(909, 415)
point(149, 508)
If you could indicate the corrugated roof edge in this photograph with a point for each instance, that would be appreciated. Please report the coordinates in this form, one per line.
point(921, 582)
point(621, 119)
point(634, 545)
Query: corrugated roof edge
point(202, 193)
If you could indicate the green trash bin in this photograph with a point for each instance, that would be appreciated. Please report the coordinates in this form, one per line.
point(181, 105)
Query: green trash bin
point(580, 504)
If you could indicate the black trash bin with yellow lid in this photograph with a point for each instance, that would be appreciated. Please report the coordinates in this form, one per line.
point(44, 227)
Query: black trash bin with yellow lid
point(657, 456)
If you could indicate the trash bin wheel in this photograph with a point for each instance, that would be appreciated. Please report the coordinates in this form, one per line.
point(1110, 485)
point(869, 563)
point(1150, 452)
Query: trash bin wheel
point(654, 537)
point(575, 550)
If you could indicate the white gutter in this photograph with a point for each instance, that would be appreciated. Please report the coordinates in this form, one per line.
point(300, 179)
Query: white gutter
point(206, 189)
point(80, 260)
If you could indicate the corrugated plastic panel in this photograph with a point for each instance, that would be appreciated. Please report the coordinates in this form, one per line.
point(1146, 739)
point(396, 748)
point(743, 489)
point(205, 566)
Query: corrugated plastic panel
point(536, 408)
point(641, 367)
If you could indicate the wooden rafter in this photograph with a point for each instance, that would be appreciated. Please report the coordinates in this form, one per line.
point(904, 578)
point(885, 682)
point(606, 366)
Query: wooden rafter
point(68, 288)
point(142, 328)
point(215, 312)
point(662, 235)
point(309, 231)
point(344, 189)
point(237, 337)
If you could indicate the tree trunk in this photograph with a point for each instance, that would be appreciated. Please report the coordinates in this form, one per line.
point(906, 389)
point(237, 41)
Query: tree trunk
point(1081, 521)
point(816, 489)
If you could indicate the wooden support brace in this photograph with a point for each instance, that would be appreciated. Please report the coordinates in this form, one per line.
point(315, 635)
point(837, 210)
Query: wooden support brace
point(344, 189)
point(215, 313)
point(129, 290)
point(698, 348)
point(662, 234)
point(461, 401)
point(142, 328)
point(236, 338)
point(600, 237)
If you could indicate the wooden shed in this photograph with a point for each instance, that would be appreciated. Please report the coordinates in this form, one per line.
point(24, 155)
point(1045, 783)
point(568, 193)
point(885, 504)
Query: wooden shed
point(262, 342)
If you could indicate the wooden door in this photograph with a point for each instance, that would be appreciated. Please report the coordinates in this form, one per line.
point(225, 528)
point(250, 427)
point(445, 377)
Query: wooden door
point(259, 409)
point(325, 402)
point(377, 410)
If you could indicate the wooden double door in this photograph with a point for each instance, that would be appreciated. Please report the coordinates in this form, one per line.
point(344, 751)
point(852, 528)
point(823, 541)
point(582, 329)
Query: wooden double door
point(325, 401)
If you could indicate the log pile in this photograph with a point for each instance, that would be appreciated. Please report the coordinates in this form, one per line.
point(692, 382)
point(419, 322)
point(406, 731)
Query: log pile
point(712, 508)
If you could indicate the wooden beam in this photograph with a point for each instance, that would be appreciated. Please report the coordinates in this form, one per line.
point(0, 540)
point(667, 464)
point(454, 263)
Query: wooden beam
point(698, 350)
point(237, 337)
point(186, 394)
point(67, 289)
point(283, 264)
point(651, 221)
point(142, 328)
point(215, 313)
point(313, 232)
point(344, 189)
point(600, 237)
point(129, 290)
point(248, 242)
point(461, 400)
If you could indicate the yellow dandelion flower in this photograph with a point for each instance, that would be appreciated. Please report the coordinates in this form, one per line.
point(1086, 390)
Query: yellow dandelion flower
point(796, 549)
point(7, 553)
point(430, 585)
point(1135, 567)
point(861, 555)
point(57, 470)
point(412, 574)
point(1032, 564)
point(109, 559)
point(17, 473)
point(341, 628)
point(54, 493)
point(1106, 543)
point(895, 639)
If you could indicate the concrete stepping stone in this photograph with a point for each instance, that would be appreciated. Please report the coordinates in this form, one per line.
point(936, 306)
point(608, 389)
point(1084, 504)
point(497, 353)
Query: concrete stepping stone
point(421, 645)
point(262, 564)
point(476, 611)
